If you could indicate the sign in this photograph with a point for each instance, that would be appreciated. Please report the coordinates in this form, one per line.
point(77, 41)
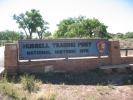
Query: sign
point(60, 48)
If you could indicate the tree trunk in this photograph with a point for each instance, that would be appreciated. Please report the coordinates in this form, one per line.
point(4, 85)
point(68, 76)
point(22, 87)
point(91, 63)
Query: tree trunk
point(30, 34)
point(40, 35)
point(91, 33)
point(25, 33)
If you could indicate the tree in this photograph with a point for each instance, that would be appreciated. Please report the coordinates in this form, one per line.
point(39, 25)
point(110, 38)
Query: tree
point(4, 35)
point(32, 22)
point(22, 36)
point(120, 35)
point(76, 29)
point(47, 34)
point(129, 35)
point(63, 27)
point(81, 27)
point(95, 27)
point(13, 36)
point(10, 35)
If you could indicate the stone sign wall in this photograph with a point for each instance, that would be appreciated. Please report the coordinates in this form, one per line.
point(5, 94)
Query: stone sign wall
point(13, 66)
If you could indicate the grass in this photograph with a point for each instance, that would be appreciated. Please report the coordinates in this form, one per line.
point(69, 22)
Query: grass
point(29, 83)
point(99, 72)
point(91, 98)
point(72, 78)
point(111, 86)
point(102, 90)
point(63, 85)
point(120, 90)
point(28, 87)
point(88, 85)
point(43, 95)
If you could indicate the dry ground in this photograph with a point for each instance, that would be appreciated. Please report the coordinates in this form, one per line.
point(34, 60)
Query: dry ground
point(90, 92)
point(91, 85)
point(111, 87)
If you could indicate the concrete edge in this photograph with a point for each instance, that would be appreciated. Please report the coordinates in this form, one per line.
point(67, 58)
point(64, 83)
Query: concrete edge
point(116, 66)
point(1, 72)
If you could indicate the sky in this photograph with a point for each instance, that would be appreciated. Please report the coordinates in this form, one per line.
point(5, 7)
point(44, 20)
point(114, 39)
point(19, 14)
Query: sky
point(116, 14)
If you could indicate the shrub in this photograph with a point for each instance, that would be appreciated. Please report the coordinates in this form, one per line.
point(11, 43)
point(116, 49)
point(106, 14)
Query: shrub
point(43, 95)
point(19, 91)
point(12, 90)
point(30, 84)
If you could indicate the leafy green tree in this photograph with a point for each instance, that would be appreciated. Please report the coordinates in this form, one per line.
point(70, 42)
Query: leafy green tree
point(4, 35)
point(95, 27)
point(32, 22)
point(129, 35)
point(63, 27)
point(76, 29)
point(120, 35)
point(10, 35)
point(22, 36)
point(13, 36)
point(47, 34)
point(81, 27)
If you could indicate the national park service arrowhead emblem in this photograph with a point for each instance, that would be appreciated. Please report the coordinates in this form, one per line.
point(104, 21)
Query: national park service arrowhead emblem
point(101, 46)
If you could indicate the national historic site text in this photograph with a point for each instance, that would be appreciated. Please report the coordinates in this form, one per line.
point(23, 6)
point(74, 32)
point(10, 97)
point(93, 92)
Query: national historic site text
point(56, 45)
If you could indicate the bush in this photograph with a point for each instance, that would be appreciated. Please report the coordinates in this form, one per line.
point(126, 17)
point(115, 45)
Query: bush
point(13, 91)
point(43, 95)
point(30, 84)
point(19, 91)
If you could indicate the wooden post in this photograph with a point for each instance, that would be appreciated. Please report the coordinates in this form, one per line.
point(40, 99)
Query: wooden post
point(126, 52)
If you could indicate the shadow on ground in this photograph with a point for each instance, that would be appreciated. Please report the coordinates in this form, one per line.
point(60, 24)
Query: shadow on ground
point(92, 77)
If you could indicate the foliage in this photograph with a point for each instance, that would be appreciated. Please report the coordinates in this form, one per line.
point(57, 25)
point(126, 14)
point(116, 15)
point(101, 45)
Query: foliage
point(126, 35)
point(100, 72)
point(13, 91)
point(25, 87)
point(29, 83)
point(4, 36)
point(47, 34)
point(111, 86)
point(81, 27)
point(44, 95)
point(129, 35)
point(127, 80)
point(120, 35)
point(91, 98)
point(11, 35)
point(62, 27)
point(31, 21)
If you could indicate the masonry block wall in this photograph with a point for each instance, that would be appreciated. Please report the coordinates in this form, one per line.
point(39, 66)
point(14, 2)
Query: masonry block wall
point(11, 59)
point(114, 52)
point(69, 65)
point(13, 66)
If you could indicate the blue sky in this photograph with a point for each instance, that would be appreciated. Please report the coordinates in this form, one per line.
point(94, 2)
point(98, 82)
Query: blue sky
point(116, 14)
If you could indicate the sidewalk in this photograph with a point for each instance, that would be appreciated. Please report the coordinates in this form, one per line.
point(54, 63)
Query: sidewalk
point(1, 71)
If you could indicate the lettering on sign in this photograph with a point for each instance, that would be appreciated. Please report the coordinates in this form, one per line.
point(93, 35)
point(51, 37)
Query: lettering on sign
point(39, 49)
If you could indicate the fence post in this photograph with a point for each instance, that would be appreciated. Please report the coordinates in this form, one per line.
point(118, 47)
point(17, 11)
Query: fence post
point(126, 52)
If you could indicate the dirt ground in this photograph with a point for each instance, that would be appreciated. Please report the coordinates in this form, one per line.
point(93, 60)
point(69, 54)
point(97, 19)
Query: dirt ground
point(90, 92)
point(114, 90)
point(91, 85)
